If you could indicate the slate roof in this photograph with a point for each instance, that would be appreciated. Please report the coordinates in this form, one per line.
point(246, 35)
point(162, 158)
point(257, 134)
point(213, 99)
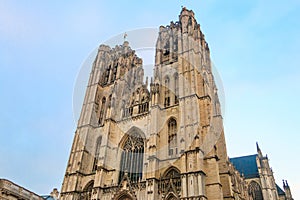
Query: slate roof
point(246, 165)
point(48, 197)
point(279, 190)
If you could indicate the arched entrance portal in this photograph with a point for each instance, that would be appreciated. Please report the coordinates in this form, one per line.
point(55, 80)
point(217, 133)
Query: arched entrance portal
point(170, 184)
point(124, 195)
point(171, 197)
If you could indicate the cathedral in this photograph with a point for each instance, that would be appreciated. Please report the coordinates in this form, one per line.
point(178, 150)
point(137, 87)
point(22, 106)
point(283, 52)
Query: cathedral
point(163, 138)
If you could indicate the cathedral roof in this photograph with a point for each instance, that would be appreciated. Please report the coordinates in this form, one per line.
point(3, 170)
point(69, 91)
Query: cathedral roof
point(48, 197)
point(246, 165)
point(279, 190)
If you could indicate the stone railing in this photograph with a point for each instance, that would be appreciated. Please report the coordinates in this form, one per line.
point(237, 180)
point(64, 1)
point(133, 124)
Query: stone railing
point(9, 188)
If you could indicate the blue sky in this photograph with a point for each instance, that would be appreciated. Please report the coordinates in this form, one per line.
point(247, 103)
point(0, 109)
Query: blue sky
point(254, 46)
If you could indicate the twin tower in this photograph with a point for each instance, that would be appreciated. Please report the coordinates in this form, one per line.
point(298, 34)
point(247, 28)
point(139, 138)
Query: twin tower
point(148, 141)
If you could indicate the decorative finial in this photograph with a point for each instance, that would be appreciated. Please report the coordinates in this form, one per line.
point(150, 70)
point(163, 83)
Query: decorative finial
point(286, 183)
point(257, 147)
point(125, 36)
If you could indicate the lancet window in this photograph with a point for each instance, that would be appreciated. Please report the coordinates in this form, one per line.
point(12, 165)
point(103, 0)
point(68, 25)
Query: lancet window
point(106, 75)
point(102, 111)
point(176, 88)
point(167, 92)
point(97, 153)
point(172, 137)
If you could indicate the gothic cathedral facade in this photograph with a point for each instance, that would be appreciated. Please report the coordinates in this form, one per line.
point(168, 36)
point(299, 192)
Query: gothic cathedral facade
point(162, 140)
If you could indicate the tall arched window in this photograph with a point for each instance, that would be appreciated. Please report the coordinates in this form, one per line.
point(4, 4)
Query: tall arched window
point(254, 191)
point(132, 157)
point(172, 137)
point(102, 111)
point(176, 88)
point(167, 92)
point(97, 152)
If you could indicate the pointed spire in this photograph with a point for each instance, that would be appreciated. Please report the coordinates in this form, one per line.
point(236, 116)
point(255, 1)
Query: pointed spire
point(125, 36)
point(257, 147)
point(258, 150)
point(283, 184)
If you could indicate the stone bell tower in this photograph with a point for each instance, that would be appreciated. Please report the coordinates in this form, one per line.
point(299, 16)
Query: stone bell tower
point(163, 143)
point(183, 69)
point(91, 166)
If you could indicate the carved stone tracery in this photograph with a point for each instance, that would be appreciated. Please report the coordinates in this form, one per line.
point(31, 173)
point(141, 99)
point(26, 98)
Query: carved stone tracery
point(131, 165)
point(116, 62)
point(170, 184)
point(254, 191)
point(140, 99)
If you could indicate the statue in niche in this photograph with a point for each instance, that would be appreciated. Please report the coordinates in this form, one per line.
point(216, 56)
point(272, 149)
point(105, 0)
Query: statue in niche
point(157, 88)
point(128, 63)
point(122, 70)
point(97, 100)
point(152, 88)
point(139, 75)
point(132, 98)
point(137, 96)
point(135, 60)
point(145, 96)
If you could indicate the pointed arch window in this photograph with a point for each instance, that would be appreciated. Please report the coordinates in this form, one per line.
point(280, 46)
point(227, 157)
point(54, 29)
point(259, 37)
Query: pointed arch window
point(97, 153)
point(109, 101)
point(176, 88)
point(172, 137)
point(167, 92)
point(132, 157)
point(102, 111)
point(254, 191)
point(87, 191)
